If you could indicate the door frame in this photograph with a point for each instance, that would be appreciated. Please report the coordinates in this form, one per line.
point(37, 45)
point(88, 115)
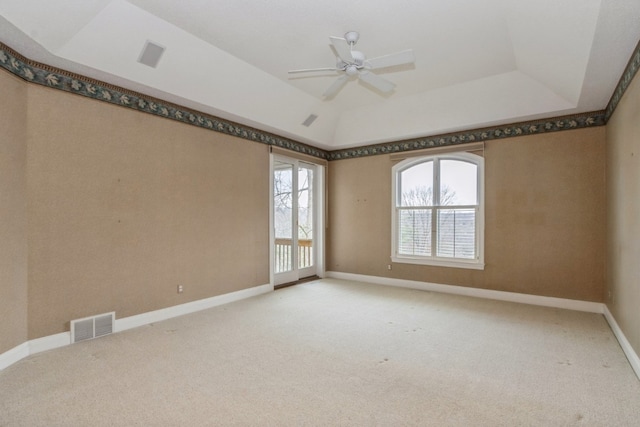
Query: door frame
point(319, 199)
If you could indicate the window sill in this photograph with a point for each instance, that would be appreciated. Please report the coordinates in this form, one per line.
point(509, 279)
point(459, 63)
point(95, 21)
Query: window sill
point(440, 262)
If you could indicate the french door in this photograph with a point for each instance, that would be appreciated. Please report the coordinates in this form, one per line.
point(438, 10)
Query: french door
point(295, 213)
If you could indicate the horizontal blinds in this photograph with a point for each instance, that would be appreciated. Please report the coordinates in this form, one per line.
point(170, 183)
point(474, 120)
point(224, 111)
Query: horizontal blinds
point(456, 233)
point(414, 232)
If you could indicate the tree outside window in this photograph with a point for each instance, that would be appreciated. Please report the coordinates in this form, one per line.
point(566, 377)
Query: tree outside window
point(437, 212)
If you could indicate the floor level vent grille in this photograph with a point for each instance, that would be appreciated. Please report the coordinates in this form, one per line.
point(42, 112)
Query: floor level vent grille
point(92, 327)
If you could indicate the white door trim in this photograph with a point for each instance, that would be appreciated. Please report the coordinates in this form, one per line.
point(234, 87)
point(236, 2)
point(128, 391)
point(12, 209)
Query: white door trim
point(318, 222)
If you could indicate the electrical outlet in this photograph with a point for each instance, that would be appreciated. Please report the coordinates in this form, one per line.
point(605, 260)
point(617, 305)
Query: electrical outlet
point(389, 267)
point(180, 289)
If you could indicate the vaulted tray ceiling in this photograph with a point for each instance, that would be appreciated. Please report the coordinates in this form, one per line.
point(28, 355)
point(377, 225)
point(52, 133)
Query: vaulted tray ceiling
point(477, 63)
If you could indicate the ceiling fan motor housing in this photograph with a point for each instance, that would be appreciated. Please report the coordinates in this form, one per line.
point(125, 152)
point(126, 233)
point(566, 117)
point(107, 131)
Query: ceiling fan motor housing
point(354, 63)
point(358, 58)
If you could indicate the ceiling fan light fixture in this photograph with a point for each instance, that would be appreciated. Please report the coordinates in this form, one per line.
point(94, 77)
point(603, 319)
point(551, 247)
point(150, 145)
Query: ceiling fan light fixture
point(351, 70)
point(353, 63)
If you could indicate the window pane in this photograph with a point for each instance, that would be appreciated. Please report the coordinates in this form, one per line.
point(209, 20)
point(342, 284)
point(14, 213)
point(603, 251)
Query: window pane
point(305, 217)
point(458, 183)
point(414, 232)
point(456, 233)
point(416, 185)
point(283, 203)
point(283, 216)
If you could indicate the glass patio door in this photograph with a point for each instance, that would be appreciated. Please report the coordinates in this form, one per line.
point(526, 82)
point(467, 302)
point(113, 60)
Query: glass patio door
point(294, 220)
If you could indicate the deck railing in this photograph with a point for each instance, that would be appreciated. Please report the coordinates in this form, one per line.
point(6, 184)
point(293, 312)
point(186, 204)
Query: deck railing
point(284, 258)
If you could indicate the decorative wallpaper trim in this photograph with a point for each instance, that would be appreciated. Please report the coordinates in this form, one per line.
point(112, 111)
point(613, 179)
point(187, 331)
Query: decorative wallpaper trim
point(592, 119)
point(45, 75)
point(596, 118)
point(627, 76)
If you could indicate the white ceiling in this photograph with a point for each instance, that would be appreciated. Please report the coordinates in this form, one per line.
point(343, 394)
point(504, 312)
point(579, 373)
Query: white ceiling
point(478, 63)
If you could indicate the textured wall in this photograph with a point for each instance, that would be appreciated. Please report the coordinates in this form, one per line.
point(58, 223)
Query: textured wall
point(544, 218)
point(13, 222)
point(124, 206)
point(623, 178)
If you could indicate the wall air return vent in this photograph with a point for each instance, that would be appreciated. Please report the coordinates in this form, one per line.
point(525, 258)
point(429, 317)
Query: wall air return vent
point(151, 53)
point(92, 327)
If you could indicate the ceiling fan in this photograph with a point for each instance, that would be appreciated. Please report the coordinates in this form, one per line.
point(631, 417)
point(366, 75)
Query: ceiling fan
point(354, 63)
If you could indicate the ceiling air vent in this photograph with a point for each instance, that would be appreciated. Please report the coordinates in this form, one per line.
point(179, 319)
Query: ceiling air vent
point(151, 53)
point(92, 327)
point(309, 120)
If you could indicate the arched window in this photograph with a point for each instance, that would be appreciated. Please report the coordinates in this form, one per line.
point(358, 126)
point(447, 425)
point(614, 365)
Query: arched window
point(438, 210)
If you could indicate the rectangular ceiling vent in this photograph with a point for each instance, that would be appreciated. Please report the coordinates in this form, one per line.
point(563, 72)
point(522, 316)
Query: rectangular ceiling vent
point(92, 327)
point(310, 120)
point(151, 53)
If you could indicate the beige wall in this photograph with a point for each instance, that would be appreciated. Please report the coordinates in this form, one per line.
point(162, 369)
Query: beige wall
point(124, 206)
point(13, 248)
point(623, 177)
point(544, 218)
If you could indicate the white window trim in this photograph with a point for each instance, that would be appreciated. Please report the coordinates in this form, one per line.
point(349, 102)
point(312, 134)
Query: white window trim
point(476, 264)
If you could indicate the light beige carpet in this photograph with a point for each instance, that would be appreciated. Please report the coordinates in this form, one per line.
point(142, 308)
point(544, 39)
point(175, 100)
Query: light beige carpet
point(333, 352)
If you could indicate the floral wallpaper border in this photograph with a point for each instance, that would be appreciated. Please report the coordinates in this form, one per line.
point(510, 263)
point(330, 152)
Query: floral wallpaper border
point(34, 72)
point(629, 73)
point(507, 131)
point(59, 79)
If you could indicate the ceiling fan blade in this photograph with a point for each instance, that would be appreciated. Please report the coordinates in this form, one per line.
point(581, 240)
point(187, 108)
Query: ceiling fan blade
point(398, 58)
point(383, 85)
point(311, 70)
point(336, 86)
point(342, 49)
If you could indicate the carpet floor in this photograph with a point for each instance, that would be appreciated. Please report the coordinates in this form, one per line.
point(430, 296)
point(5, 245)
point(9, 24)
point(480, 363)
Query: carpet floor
point(333, 352)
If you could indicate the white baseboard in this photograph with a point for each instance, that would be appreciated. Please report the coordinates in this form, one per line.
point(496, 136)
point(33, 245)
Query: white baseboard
point(14, 355)
point(187, 308)
point(632, 356)
point(587, 306)
point(569, 304)
point(51, 342)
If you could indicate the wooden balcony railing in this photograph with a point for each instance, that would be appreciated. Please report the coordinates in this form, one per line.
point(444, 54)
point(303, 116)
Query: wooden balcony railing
point(284, 258)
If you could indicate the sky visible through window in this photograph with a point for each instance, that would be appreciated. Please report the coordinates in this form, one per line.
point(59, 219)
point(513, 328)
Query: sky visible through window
point(283, 201)
point(457, 178)
point(454, 225)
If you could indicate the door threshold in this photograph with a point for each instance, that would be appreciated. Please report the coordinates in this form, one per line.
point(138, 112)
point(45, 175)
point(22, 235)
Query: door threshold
point(296, 282)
